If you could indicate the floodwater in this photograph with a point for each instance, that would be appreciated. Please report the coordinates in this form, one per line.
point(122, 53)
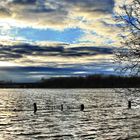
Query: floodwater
point(106, 115)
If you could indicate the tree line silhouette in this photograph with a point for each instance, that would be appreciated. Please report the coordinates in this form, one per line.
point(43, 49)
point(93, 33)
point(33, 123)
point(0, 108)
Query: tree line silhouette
point(92, 81)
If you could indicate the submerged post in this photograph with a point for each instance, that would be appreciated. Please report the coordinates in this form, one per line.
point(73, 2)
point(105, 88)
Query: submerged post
point(61, 107)
point(82, 107)
point(129, 104)
point(35, 107)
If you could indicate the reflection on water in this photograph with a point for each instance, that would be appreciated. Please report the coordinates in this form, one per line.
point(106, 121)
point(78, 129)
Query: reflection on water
point(105, 116)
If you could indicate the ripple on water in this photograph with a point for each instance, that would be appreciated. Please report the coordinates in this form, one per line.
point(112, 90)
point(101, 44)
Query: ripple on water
point(105, 116)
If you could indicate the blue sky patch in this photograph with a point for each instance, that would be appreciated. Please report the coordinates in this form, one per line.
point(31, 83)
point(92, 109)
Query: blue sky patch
point(70, 35)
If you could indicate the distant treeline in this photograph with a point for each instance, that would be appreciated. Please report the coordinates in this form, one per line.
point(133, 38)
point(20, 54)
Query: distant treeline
point(94, 81)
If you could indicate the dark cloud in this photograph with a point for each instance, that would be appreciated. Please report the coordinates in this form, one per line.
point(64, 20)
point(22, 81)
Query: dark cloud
point(94, 5)
point(24, 1)
point(20, 51)
point(27, 74)
point(4, 12)
point(42, 10)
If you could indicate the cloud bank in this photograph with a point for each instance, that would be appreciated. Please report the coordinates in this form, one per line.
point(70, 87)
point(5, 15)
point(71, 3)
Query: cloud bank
point(47, 13)
point(58, 52)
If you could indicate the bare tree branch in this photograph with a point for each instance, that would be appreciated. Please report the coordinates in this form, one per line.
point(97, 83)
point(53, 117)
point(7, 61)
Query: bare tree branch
point(128, 57)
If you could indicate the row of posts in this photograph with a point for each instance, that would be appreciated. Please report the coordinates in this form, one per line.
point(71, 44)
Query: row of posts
point(81, 106)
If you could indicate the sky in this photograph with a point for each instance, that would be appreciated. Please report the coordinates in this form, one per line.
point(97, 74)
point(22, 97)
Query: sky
point(52, 38)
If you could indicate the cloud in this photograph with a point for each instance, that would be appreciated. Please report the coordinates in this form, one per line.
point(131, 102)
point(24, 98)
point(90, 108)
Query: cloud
point(23, 50)
point(47, 13)
point(87, 15)
point(53, 54)
point(31, 74)
point(24, 1)
point(4, 12)
point(93, 7)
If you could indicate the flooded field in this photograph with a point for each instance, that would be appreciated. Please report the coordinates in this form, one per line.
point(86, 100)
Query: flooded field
point(105, 117)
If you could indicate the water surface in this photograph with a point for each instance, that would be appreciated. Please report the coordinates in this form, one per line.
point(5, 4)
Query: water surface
point(106, 116)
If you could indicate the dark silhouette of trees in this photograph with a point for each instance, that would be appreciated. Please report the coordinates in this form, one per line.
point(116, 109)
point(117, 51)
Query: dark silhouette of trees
point(128, 57)
point(91, 81)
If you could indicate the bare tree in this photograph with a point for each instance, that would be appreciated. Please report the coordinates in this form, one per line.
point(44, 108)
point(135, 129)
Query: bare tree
point(128, 56)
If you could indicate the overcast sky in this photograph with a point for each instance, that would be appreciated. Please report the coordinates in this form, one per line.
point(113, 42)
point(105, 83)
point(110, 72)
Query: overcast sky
point(45, 38)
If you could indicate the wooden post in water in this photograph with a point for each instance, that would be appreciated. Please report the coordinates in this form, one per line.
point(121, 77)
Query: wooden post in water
point(61, 107)
point(35, 107)
point(129, 104)
point(82, 107)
